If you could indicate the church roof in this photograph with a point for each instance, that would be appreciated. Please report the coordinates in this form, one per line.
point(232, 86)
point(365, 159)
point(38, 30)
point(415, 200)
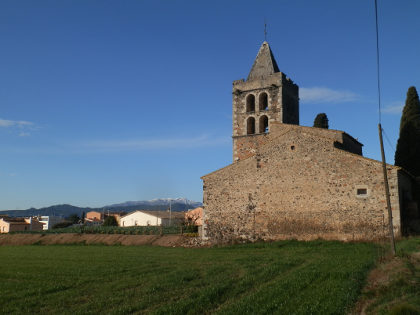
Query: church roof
point(264, 64)
point(303, 131)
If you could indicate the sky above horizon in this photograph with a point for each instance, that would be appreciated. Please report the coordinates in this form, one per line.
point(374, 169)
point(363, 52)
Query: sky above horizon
point(103, 102)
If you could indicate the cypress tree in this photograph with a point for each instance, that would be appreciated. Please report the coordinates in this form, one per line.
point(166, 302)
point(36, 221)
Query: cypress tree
point(321, 121)
point(407, 154)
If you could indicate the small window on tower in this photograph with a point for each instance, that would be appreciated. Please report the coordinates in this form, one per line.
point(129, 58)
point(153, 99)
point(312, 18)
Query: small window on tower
point(250, 103)
point(362, 191)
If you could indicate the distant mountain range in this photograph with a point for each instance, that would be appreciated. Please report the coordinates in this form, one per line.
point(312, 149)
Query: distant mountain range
point(158, 202)
point(177, 204)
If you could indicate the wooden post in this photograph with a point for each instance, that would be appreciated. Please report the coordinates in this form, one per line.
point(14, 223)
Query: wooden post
point(388, 199)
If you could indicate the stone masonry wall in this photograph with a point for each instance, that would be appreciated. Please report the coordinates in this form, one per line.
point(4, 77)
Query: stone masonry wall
point(299, 186)
point(290, 102)
point(283, 104)
point(409, 206)
point(246, 146)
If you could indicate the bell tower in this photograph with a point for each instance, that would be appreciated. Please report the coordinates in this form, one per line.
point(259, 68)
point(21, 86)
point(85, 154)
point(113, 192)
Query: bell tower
point(266, 96)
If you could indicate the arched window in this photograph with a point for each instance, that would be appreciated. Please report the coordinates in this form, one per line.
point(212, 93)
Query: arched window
point(263, 100)
point(263, 124)
point(250, 103)
point(250, 126)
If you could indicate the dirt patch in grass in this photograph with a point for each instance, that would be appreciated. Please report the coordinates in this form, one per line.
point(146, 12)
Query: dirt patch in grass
point(379, 279)
point(73, 238)
point(393, 287)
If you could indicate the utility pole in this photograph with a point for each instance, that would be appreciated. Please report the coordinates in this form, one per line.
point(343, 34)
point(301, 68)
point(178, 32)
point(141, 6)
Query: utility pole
point(170, 212)
point(388, 199)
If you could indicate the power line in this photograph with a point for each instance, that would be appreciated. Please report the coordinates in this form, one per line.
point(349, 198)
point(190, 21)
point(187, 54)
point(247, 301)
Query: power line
point(389, 142)
point(377, 60)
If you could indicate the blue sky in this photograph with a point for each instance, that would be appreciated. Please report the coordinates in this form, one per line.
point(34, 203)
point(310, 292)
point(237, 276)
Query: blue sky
point(107, 101)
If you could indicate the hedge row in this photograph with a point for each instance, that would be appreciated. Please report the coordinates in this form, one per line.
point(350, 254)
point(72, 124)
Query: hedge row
point(132, 230)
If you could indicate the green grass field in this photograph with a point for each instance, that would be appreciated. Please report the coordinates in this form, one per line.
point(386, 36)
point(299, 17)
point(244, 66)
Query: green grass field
point(287, 277)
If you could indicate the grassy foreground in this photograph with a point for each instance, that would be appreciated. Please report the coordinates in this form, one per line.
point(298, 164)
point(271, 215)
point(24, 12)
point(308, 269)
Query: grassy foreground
point(287, 277)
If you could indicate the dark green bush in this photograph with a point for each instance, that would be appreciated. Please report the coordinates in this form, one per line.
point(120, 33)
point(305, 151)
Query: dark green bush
point(404, 309)
point(61, 225)
point(110, 221)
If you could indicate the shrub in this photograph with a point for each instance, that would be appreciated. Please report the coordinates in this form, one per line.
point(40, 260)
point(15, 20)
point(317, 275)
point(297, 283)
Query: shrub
point(63, 224)
point(404, 309)
point(110, 221)
point(321, 121)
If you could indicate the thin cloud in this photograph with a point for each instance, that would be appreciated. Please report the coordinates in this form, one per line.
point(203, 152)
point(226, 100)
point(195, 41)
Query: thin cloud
point(153, 144)
point(21, 127)
point(15, 123)
point(393, 108)
point(326, 95)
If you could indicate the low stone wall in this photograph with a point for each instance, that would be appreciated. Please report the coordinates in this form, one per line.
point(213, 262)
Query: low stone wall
point(73, 238)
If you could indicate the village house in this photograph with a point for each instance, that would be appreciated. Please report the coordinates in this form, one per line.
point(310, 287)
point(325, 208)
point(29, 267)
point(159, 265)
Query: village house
point(49, 221)
point(94, 216)
point(8, 224)
point(194, 216)
point(290, 181)
point(151, 218)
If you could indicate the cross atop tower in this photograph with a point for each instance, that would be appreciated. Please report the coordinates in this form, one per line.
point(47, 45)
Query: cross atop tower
point(265, 31)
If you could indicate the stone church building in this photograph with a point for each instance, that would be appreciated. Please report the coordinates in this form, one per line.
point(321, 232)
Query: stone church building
point(290, 181)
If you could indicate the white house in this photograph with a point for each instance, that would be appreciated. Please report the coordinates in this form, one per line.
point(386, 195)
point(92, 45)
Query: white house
point(8, 224)
point(152, 218)
point(49, 221)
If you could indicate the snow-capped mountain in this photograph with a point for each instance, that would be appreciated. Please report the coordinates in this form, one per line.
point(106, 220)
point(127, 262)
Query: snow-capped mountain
point(161, 202)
